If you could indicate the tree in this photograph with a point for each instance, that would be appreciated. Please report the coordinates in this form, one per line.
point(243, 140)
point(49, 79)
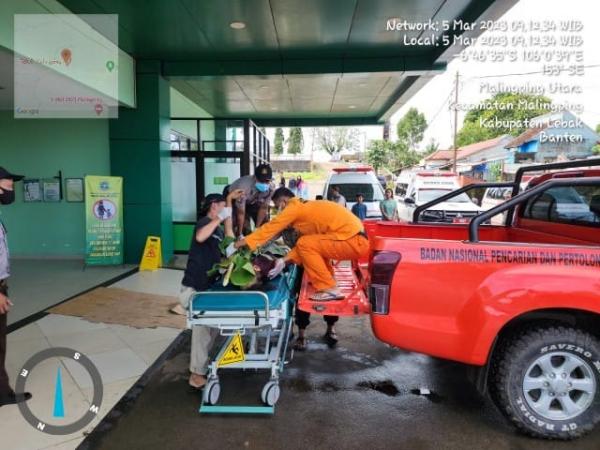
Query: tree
point(278, 144)
point(596, 149)
point(378, 153)
point(431, 147)
point(295, 141)
point(598, 128)
point(335, 139)
point(517, 108)
point(403, 156)
point(411, 127)
point(392, 155)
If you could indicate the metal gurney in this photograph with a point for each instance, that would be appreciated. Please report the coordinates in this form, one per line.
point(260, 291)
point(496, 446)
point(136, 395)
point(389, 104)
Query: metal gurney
point(264, 321)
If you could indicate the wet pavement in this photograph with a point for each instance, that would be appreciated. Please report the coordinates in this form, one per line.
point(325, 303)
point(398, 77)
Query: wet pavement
point(361, 395)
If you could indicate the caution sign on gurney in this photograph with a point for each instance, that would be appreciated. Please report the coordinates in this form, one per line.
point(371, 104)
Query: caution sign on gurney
point(234, 352)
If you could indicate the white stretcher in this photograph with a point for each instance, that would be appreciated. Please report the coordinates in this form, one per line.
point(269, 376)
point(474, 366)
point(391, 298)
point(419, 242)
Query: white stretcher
point(263, 319)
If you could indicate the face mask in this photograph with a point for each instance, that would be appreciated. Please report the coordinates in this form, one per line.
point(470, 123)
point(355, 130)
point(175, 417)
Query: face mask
point(262, 187)
point(7, 197)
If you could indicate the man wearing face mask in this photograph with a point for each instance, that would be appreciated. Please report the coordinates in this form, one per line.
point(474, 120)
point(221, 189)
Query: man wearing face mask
point(255, 201)
point(7, 196)
point(214, 224)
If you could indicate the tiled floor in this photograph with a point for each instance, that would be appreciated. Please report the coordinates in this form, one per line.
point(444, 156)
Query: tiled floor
point(36, 284)
point(120, 353)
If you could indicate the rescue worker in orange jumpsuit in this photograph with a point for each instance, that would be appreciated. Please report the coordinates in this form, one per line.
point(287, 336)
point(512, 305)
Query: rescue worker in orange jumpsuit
point(327, 230)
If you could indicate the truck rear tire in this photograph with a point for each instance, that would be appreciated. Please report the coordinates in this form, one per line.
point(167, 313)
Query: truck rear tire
point(546, 381)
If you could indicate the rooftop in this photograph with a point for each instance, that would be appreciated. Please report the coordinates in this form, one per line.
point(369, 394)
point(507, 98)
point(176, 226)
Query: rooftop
point(467, 150)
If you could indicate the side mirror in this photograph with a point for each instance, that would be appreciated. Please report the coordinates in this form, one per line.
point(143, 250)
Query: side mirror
point(409, 201)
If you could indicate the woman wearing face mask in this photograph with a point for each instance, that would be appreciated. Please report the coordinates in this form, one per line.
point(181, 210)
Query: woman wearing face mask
point(254, 204)
point(7, 196)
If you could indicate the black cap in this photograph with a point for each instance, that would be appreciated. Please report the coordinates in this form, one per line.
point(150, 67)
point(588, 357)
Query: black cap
point(263, 173)
point(6, 175)
point(212, 198)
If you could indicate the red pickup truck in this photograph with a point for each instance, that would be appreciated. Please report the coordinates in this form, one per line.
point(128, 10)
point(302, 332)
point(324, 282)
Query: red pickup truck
point(520, 302)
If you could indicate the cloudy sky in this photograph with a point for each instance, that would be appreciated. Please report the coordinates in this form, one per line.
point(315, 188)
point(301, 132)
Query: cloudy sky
point(433, 99)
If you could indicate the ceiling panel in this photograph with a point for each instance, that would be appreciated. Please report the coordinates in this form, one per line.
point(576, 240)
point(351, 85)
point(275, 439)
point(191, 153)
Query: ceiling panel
point(361, 85)
point(293, 58)
point(258, 39)
point(351, 105)
point(312, 86)
point(263, 88)
point(305, 25)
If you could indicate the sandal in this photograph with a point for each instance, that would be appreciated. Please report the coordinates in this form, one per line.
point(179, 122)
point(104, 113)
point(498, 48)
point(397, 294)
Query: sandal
point(327, 296)
point(197, 381)
point(300, 344)
point(331, 338)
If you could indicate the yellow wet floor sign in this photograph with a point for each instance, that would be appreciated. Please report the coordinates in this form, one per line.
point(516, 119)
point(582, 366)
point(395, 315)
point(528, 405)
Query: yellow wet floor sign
point(234, 352)
point(152, 258)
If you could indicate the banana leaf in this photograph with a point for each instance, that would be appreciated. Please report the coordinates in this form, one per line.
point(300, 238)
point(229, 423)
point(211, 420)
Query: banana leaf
point(275, 249)
point(243, 275)
point(225, 243)
point(238, 269)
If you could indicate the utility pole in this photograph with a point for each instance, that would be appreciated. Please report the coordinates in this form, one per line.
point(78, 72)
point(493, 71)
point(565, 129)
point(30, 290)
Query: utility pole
point(455, 121)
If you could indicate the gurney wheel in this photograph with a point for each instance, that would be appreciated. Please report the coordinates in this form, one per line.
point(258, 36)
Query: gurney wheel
point(212, 391)
point(270, 393)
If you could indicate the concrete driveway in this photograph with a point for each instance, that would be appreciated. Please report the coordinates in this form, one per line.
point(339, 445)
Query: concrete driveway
point(360, 395)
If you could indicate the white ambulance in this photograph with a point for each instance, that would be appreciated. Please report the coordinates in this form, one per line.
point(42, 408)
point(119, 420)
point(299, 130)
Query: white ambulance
point(354, 180)
point(426, 186)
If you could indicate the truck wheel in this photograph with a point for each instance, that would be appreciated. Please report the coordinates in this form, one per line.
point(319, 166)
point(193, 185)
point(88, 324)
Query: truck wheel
point(547, 382)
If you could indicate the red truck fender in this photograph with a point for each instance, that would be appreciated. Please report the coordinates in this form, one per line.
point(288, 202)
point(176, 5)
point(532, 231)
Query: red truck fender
point(502, 297)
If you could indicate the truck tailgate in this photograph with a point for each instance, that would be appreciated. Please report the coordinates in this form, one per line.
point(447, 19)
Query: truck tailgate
point(354, 303)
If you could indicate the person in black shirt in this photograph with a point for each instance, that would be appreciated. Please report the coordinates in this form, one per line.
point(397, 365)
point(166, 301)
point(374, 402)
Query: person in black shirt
point(204, 254)
point(7, 196)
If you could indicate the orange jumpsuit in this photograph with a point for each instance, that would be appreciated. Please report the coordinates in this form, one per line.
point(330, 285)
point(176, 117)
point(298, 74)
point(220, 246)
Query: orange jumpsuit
point(327, 231)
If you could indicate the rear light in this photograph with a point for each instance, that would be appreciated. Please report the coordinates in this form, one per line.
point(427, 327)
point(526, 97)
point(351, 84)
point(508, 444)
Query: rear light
point(383, 265)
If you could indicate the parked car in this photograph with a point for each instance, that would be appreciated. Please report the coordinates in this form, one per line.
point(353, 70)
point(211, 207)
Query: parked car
point(355, 180)
point(401, 184)
point(424, 187)
point(493, 197)
point(520, 304)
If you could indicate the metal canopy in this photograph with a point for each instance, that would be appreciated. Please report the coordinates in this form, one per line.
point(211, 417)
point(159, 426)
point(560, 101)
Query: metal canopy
point(303, 62)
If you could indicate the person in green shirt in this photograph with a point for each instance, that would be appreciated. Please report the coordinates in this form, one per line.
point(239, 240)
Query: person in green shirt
point(389, 206)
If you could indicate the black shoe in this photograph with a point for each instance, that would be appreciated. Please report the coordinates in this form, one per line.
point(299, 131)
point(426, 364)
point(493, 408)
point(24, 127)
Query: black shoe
point(13, 399)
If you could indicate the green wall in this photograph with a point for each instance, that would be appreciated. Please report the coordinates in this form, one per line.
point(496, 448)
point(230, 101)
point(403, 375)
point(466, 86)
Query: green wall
point(39, 148)
point(140, 153)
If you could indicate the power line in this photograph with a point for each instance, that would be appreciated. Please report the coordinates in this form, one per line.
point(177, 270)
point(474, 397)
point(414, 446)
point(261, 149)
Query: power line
point(440, 108)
